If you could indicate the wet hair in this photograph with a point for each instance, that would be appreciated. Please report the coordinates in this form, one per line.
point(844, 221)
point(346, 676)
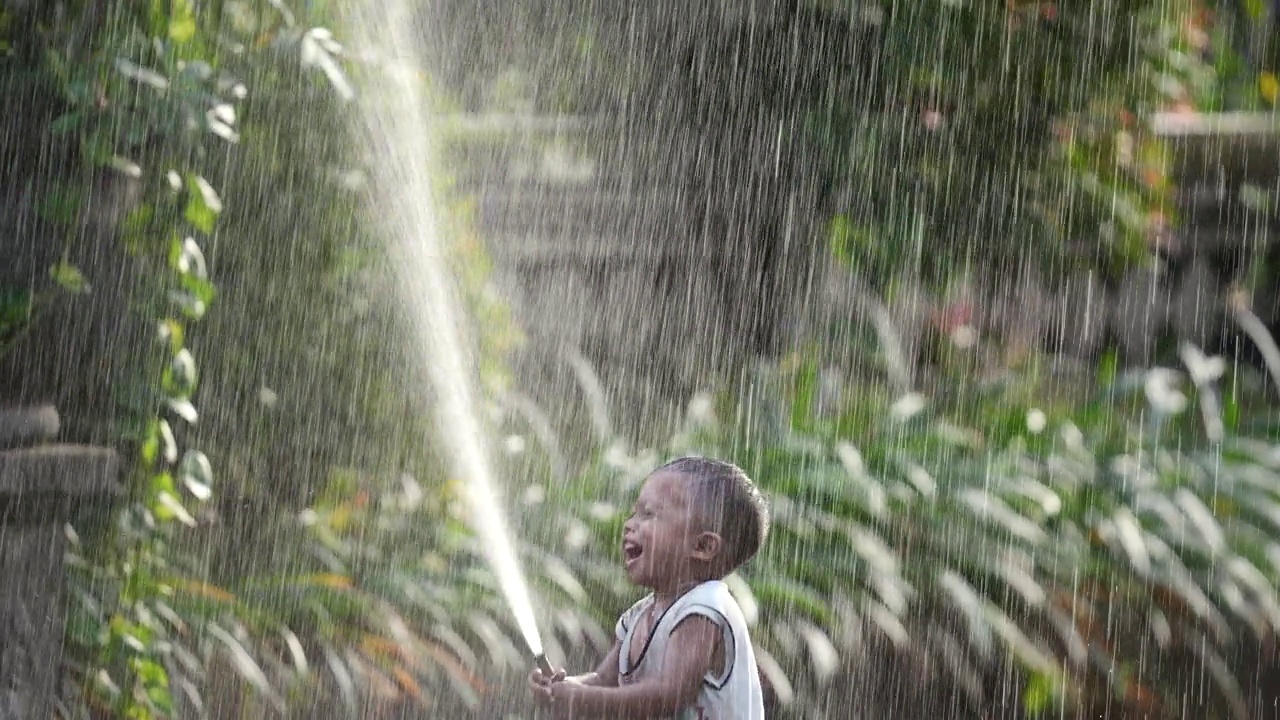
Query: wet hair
point(730, 503)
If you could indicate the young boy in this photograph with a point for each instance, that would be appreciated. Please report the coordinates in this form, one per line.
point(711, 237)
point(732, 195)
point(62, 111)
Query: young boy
point(683, 651)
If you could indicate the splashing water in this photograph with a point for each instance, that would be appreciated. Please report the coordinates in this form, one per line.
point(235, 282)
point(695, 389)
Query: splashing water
point(394, 113)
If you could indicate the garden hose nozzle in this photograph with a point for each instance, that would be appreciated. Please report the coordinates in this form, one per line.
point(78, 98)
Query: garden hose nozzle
point(544, 664)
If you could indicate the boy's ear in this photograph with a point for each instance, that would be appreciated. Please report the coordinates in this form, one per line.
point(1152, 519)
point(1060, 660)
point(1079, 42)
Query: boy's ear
point(707, 546)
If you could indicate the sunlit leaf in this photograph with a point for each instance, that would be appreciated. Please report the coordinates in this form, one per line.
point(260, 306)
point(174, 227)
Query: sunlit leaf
point(187, 258)
point(823, 656)
point(246, 665)
point(151, 444)
point(171, 334)
point(563, 577)
point(410, 685)
point(342, 676)
point(1127, 534)
point(142, 75)
point(888, 623)
point(182, 28)
point(970, 605)
point(156, 681)
point(169, 507)
point(197, 474)
point(296, 651)
point(328, 580)
point(183, 409)
point(1201, 518)
point(203, 204)
point(996, 511)
point(318, 49)
point(104, 683)
point(219, 127)
point(1039, 695)
point(192, 694)
point(190, 305)
point(204, 589)
point(181, 376)
point(69, 278)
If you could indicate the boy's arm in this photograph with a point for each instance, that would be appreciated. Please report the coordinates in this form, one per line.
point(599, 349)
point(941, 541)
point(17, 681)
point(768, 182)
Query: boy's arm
point(606, 673)
point(690, 653)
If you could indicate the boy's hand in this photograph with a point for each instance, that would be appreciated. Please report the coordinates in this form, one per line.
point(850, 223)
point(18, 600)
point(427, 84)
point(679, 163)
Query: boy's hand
point(563, 697)
point(540, 683)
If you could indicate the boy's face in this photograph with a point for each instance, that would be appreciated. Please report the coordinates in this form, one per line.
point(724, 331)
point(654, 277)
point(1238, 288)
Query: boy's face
point(658, 540)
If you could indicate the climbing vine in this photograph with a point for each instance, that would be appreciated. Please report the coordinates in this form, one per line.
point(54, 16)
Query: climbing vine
point(141, 109)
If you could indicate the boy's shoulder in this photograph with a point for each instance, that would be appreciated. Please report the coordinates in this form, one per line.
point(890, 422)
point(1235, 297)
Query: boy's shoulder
point(627, 620)
point(713, 594)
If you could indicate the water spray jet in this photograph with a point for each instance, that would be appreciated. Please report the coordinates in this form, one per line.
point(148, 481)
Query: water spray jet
point(394, 111)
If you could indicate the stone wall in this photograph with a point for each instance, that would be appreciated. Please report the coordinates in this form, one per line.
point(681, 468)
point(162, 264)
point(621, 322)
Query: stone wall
point(40, 484)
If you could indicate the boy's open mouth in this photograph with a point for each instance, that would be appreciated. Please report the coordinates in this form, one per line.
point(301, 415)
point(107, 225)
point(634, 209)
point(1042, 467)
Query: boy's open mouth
point(631, 551)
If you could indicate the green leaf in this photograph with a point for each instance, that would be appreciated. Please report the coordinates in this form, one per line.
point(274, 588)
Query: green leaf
point(197, 474)
point(192, 307)
point(145, 76)
point(170, 333)
point(60, 205)
point(69, 277)
point(245, 665)
point(161, 482)
point(183, 409)
point(159, 443)
point(66, 123)
point(199, 287)
point(169, 507)
point(159, 696)
point(1038, 696)
point(97, 147)
point(15, 310)
point(136, 229)
point(105, 686)
point(182, 21)
point(180, 377)
point(182, 29)
point(168, 445)
point(194, 297)
point(203, 204)
point(187, 258)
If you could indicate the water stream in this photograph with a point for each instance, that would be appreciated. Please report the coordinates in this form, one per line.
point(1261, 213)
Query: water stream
point(395, 113)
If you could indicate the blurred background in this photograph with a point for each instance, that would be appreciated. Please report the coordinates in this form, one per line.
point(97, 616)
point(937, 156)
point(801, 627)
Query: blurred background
point(982, 293)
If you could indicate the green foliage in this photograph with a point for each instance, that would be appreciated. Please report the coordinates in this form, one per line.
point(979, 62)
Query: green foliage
point(1064, 170)
point(307, 358)
point(1004, 542)
point(953, 73)
point(15, 309)
point(380, 596)
point(1111, 158)
point(141, 103)
point(159, 614)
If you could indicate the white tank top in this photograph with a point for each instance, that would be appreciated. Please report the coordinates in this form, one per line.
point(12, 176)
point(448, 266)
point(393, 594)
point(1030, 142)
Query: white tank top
point(729, 693)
